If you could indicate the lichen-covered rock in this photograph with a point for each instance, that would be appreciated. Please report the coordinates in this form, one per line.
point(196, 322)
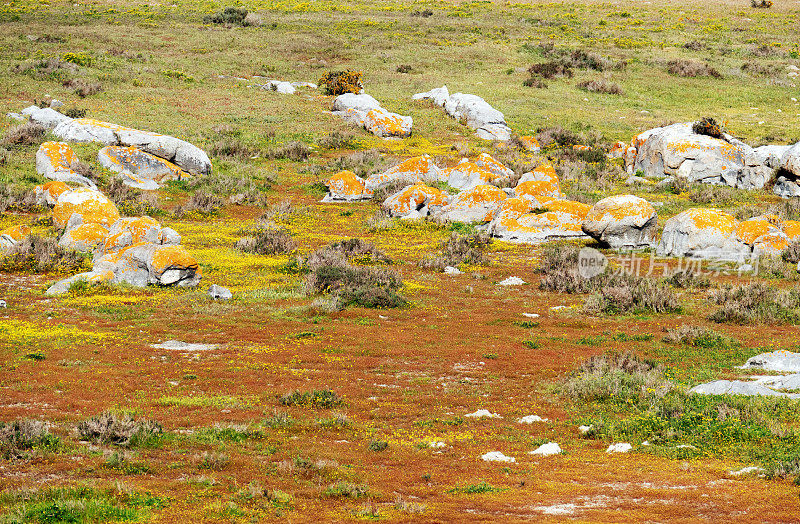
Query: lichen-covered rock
point(362, 102)
point(54, 160)
point(489, 163)
point(529, 143)
point(790, 160)
point(139, 169)
point(49, 192)
point(12, 235)
point(514, 221)
point(538, 191)
point(181, 153)
point(84, 237)
point(677, 150)
point(383, 123)
point(750, 230)
point(542, 173)
point(622, 222)
point(416, 198)
point(415, 170)
point(771, 244)
point(473, 205)
point(702, 233)
point(87, 205)
point(472, 110)
point(467, 175)
point(792, 230)
point(134, 230)
point(140, 265)
point(346, 186)
point(618, 149)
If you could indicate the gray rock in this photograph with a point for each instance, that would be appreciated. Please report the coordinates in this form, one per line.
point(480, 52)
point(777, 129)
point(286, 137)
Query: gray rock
point(15, 116)
point(786, 188)
point(219, 293)
point(45, 117)
point(780, 360)
point(738, 387)
point(3, 304)
point(622, 222)
point(55, 104)
point(790, 161)
point(702, 233)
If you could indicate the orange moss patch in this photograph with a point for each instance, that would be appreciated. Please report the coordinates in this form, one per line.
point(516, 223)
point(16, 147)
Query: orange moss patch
point(772, 243)
point(93, 206)
point(481, 196)
point(487, 162)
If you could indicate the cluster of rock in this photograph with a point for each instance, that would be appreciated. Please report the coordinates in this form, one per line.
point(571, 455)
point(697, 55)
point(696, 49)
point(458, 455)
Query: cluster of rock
point(677, 151)
point(133, 250)
point(363, 110)
point(142, 158)
point(535, 210)
point(472, 110)
point(781, 361)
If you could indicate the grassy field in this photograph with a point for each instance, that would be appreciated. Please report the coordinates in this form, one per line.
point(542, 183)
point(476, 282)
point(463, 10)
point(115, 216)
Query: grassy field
point(392, 443)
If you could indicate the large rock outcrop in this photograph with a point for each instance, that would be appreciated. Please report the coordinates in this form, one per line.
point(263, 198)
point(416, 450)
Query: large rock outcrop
point(702, 233)
point(54, 160)
point(622, 222)
point(471, 110)
point(365, 111)
point(137, 168)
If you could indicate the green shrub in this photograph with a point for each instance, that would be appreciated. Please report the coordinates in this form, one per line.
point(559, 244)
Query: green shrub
point(378, 445)
point(346, 490)
point(755, 303)
point(229, 15)
point(616, 377)
point(472, 489)
point(459, 249)
point(121, 429)
point(318, 398)
point(21, 436)
point(38, 254)
point(80, 59)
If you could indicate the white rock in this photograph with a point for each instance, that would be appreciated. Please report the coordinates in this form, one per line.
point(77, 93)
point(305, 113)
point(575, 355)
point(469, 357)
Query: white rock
point(177, 345)
point(530, 419)
point(45, 117)
point(496, 456)
point(780, 360)
point(279, 86)
point(621, 447)
point(482, 413)
point(15, 116)
point(531, 315)
point(702, 233)
point(622, 222)
point(55, 104)
point(585, 429)
point(362, 102)
point(545, 450)
point(450, 270)
point(511, 281)
point(437, 445)
point(738, 387)
point(219, 293)
point(438, 95)
point(746, 470)
point(3, 304)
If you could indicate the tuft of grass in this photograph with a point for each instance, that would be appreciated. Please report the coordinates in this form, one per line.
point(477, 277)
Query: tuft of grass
point(689, 280)
point(268, 241)
point(20, 437)
point(601, 85)
point(616, 377)
point(474, 489)
point(756, 303)
point(709, 127)
point(37, 254)
point(227, 16)
point(691, 68)
point(459, 249)
point(346, 490)
point(213, 461)
point(27, 134)
point(295, 151)
point(318, 398)
point(121, 429)
point(378, 445)
point(200, 204)
point(700, 337)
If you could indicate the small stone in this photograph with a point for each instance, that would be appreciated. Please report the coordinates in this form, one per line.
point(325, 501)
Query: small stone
point(511, 281)
point(545, 450)
point(450, 270)
point(219, 293)
point(3, 304)
point(585, 429)
point(621, 447)
point(496, 456)
point(482, 413)
point(531, 315)
point(55, 104)
point(530, 419)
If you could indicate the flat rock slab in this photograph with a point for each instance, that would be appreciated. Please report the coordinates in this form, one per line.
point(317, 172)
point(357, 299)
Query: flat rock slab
point(139, 169)
point(177, 345)
point(775, 361)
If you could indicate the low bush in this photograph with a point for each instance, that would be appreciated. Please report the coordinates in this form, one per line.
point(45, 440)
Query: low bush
point(318, 398)
point(691, 68)
point(18, 200)
point(355, 285)
point(718, 196)
point(699, 337)
point(761, 4)
point(51, 68)
point(82, 88)
point(37, 254)
point(616, 377)
point(362, 163)
point(600, 86)
point(228, 15)
point(27, 134)
point(346, 490)
point(132, 202)
point(689, 280)
point(19, 437)
point(709, 127)
point(338, 140)
point(792, 253)
point(459, 249)
point(201, 204)
point(213, 461)
point(295, 151)
point(759, 69)
point(231, 147)
point(337, 83)
point(550, 70)
point(267, 241)
point(557, 136)
point(121, 430)
point(756, 303)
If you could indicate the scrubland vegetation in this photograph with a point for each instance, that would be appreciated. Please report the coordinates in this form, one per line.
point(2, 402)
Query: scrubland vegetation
point(347, 361)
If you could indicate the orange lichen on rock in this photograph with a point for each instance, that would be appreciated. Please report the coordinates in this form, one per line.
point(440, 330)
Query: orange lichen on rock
point(749, 230)
point(50, 191)
point(16, 233)
point(59, 154)
point(85, 237)
point(92, 206)
point(773, 243)
point(618, 149)
point(621, 206)
point(412, 197)
point(792, 230)
point(467, 175)
point(538, 191)
point(169, 257)
point(568, 207)
point(127, 231)
point(709, 218)
point(487, 162)
point(346, 185)
point(383, 123)
point(530, 143)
